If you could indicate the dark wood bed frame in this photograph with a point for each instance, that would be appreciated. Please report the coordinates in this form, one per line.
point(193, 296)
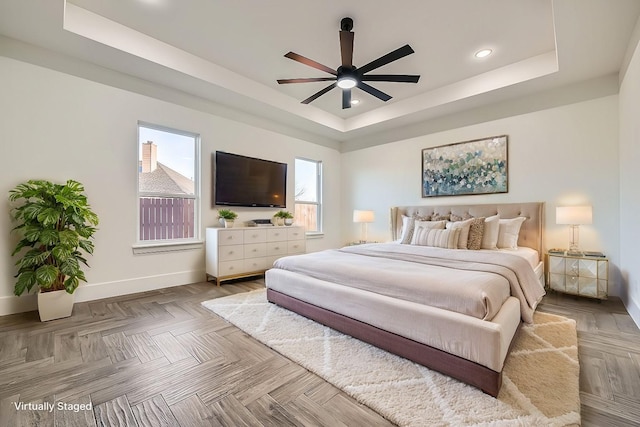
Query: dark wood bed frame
point(487, 380)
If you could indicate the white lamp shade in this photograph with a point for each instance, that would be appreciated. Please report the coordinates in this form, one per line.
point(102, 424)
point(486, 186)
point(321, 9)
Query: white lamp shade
point(363, 216)
point(574, 215)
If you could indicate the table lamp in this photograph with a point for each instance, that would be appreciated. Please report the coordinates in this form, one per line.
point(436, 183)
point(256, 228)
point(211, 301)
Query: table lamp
point(364, 217)
point(574, 216)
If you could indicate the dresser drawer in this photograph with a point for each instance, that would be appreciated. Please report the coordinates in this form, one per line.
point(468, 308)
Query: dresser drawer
point(295, 233)
point(276, 234)
point(228, 268)
point(255, 250)
point(230, 253)
point(277, 248)
point(295, 246)
point(255, 236)
point(255, 264)
point(230, 237)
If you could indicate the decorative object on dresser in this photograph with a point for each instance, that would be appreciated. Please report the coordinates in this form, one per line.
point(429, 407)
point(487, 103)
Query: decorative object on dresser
point(583, 274)
point(363, 217)
point(249, 251)
point(574, 216)
point(227, 217)
point(470, 167)
point(283, 218)
point(56, 225)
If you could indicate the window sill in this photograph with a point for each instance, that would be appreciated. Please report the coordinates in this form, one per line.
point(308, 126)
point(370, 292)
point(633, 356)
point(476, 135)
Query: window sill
point(316, 235)
point(166, 246)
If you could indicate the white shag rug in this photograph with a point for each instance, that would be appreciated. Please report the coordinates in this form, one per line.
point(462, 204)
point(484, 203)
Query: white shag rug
point(540, 379)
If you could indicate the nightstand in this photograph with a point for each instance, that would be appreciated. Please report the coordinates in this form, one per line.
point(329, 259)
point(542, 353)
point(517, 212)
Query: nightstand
point(578, 274)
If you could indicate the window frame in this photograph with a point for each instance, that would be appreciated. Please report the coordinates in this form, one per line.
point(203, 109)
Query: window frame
point(169, 245)
point(319, 187)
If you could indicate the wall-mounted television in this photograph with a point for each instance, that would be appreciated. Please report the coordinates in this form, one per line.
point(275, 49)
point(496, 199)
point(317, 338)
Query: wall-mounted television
point(248, 181)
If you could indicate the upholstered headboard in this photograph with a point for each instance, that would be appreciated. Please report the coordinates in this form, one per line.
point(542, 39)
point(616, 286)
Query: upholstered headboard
point(530, 232)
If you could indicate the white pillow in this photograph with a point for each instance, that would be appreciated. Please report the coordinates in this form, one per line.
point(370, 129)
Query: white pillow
point(464, 227)
point(407, 229)
point(436, 237)
point(508, 232)
point(491, 230)
point(427, 225)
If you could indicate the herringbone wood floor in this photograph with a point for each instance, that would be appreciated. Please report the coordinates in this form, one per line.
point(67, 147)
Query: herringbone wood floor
point(159, 358)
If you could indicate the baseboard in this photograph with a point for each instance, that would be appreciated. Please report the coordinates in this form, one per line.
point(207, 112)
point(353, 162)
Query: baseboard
point(95, 291)
point(633, 308)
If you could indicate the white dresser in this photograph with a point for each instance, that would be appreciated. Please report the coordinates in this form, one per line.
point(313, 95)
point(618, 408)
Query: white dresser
point(248, 251)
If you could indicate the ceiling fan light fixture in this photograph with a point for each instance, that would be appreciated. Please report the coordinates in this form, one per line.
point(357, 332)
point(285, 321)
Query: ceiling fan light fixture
point(347, 82)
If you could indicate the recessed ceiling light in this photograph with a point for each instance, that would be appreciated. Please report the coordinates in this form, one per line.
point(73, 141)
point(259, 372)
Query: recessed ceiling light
point(483, 53)
point(355, 101)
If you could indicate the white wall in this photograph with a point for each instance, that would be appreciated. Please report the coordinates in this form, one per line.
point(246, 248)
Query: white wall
point(56, 126)
point(561, 156)
point(629, 193)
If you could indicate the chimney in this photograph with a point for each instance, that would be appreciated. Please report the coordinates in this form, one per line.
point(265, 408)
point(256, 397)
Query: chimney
point(149, 157)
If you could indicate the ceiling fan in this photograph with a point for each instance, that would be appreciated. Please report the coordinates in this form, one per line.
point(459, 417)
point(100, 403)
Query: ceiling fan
point(347, 76)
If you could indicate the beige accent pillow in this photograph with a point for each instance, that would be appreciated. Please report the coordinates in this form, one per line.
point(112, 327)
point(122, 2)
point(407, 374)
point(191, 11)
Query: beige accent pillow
point(436, 237)
point(476, 230)
point(464, 227)
point(508, 232)
point(428, 225)
point(490, 235)
point(407, 229)
point(408, 224)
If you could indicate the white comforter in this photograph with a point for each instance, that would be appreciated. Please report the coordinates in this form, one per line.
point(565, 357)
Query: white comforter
point(475, 283)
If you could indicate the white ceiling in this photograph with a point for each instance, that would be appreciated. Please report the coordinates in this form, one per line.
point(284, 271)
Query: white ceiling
point(231, 51)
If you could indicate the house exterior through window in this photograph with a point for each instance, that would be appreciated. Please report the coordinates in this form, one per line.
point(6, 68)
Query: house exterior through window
point(308, 196)
point(168, 184)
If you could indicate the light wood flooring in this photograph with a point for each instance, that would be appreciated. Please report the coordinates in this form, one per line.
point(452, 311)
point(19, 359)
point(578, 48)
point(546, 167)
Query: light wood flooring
point(158, 358)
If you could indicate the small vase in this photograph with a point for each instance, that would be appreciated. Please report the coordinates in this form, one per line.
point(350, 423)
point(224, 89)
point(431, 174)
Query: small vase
point(228, 223)
point(288, 221)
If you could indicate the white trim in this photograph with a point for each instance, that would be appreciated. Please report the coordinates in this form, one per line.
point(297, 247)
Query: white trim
point(13, 304)
point(166, 246)
point(634, 310)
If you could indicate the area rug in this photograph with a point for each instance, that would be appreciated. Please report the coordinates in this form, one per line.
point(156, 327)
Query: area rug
point(540, 379)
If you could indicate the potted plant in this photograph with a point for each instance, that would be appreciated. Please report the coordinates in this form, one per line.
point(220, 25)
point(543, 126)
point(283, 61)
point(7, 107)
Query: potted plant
point(56, 225)
point(227, 217)
point(283, 218)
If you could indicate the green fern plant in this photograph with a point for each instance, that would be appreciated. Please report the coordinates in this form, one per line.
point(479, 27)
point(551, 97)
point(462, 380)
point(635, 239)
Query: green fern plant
point(56, 225)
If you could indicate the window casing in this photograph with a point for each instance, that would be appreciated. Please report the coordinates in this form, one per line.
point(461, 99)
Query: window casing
point(308, 195)
point(168, 185)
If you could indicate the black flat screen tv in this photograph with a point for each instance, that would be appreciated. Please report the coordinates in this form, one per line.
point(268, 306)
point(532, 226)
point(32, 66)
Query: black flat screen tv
point(248, 181)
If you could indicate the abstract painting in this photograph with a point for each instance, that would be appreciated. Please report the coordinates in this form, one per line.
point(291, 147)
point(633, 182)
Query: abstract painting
point(469, 167)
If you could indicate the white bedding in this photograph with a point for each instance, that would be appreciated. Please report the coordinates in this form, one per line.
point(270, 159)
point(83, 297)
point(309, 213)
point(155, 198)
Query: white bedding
point(431, 276)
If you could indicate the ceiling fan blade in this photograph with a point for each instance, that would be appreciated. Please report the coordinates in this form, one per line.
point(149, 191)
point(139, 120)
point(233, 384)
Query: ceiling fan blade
point(373, 91)
point(384, 60)
point(309, 80)
point(310, 63)
point(319, 93)
point(400, 78)
point(346, 48)
point(346, 98)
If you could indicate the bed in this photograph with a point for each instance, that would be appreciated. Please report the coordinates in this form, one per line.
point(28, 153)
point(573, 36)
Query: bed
point(456, 311)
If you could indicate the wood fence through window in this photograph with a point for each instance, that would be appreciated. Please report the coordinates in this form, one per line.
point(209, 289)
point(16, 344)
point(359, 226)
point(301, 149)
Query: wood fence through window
point(166, 218)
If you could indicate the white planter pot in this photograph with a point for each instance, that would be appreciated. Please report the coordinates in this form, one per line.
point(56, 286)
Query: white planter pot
point(54, 305)
point(288, 221)
point(228, 223)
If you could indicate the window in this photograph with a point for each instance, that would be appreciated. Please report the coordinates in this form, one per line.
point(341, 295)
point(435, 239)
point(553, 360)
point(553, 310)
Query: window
point(168, 184)
point(308, 197)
